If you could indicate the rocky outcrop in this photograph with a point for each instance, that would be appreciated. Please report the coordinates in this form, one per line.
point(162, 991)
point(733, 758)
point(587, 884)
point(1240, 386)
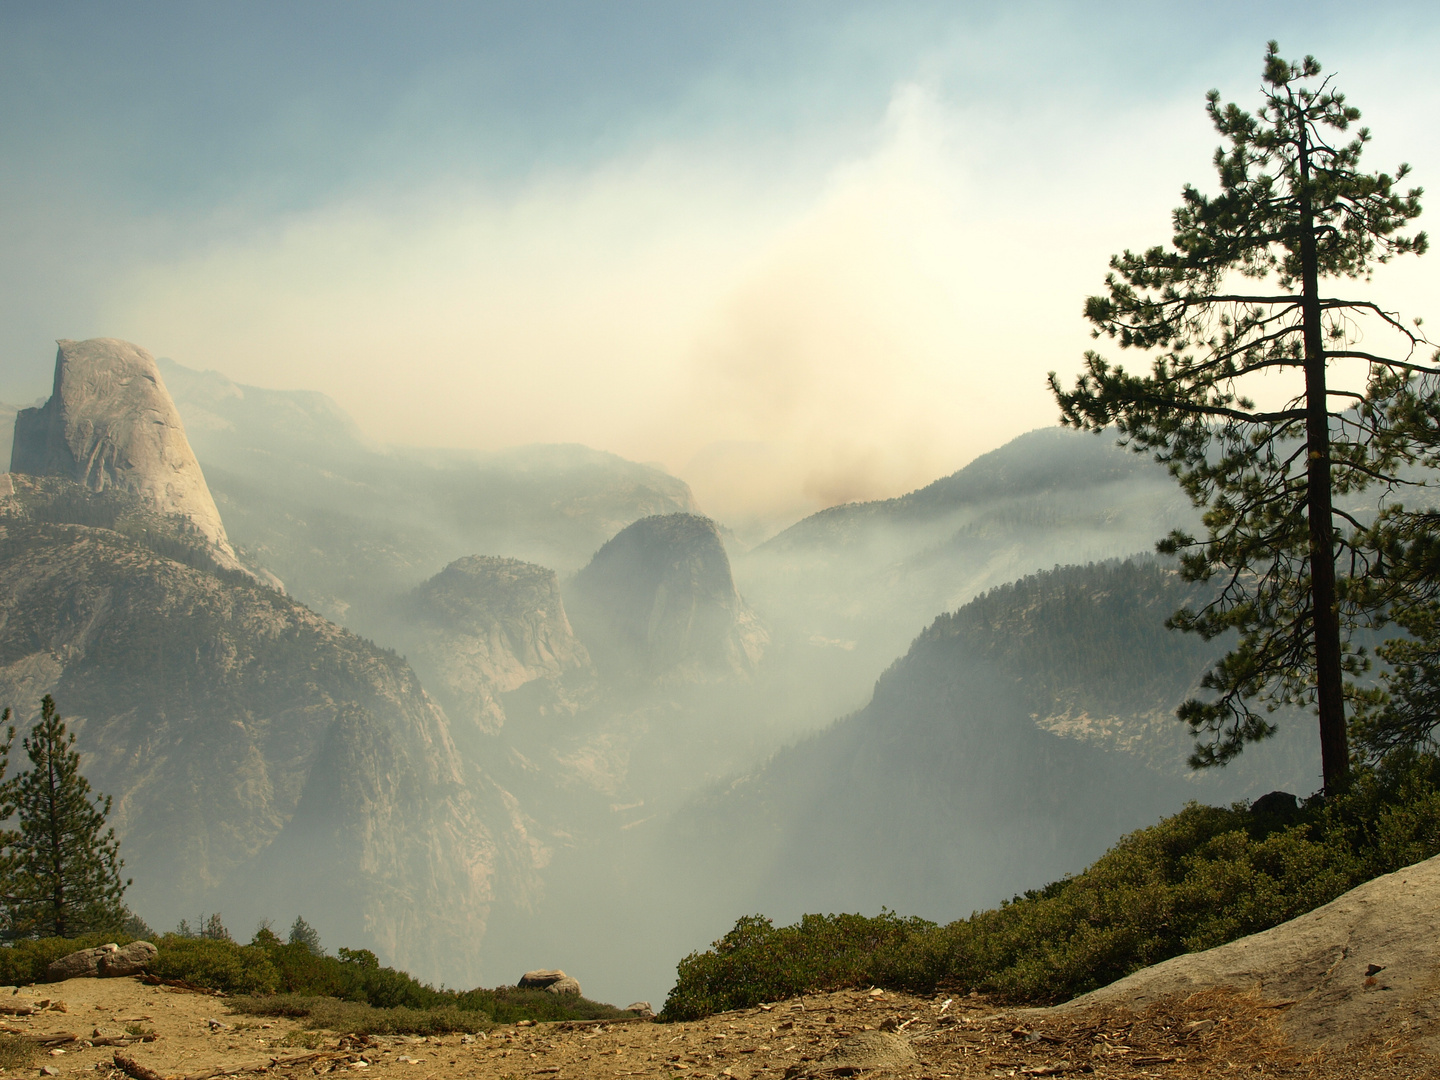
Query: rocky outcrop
point(552, 980)
point(110, 423)
point(105, 962)
point(261, 759)
point(658, 601)
point(1343, 970)
point(487, 626)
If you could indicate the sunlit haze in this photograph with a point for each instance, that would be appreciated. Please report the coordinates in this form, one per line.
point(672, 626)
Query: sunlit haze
point(797, 254)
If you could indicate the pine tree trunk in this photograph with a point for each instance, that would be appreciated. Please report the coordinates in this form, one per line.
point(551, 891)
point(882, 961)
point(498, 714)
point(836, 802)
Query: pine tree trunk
point(1329, 677)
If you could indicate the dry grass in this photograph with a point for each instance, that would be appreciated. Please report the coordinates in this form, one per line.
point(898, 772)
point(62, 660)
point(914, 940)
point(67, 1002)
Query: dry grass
point(17, 1053)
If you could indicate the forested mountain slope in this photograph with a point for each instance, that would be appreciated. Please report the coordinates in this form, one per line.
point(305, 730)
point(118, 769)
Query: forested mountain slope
point(844, 590)
point(1011, 744)
point(263, 761)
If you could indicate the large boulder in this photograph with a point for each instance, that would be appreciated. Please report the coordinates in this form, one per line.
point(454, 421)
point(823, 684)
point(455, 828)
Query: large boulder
point(1341, 972)
point(131, 960)
point(110, 423)
point(105, 961)
point(552, 980)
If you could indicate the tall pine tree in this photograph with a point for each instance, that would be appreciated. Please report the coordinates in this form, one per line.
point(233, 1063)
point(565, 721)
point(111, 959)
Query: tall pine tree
point(64, 862)
point(1293, 211)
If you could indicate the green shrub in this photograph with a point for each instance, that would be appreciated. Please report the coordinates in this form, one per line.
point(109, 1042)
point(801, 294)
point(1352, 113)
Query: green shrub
point(1202, 877)
point(361, 1019)
point(218, 965)
point(472, 1010)
point(352, 992)
point(507, 1004)
point(757, 962)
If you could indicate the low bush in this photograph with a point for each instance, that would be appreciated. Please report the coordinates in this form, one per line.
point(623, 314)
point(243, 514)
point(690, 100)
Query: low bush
point(397, 1000)
point(471, 1010)
point(1202, 877)
point(218, 965)
point(507, 1004)
point(361, 1019)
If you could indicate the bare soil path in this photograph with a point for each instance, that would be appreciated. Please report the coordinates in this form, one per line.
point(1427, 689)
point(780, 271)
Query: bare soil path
point(1218, 1032)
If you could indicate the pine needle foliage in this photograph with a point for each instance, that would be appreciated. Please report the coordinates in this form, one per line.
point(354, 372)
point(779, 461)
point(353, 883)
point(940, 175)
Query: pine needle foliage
point(1233, 310)
point(64, 861)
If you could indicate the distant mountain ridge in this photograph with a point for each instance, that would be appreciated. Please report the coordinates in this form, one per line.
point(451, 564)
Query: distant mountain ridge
point(351, 526)
point(258, 754)
point(1045, 461)
point(260, 757)
point(961, 782)
point(485, 627)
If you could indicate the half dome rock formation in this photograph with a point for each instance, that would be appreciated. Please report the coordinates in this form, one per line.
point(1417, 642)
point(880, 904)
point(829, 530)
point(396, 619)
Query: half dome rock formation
point(658, 600)
point(110, 423)
point(486, 626)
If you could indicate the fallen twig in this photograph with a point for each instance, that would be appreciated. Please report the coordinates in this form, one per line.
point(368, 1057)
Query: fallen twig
point(269, 1063)
point(572, 1025)
point(131, 1067)
point(56, 1038)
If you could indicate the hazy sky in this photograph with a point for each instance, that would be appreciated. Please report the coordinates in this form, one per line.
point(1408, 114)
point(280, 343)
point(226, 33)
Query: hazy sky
point(796, 252)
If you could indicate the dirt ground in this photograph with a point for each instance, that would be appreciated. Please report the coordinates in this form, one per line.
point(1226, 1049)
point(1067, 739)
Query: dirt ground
point(854, 1033)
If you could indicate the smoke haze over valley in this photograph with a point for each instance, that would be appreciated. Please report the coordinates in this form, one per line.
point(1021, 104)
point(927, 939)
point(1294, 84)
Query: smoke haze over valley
point(527, 487)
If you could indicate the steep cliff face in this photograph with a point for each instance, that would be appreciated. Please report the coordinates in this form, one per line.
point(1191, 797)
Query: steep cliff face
point(262, 759)
point(487, 626)
point(110, 424)
point(658, 601)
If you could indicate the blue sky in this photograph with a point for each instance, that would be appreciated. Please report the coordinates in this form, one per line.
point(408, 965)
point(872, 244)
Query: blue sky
point(796, 252)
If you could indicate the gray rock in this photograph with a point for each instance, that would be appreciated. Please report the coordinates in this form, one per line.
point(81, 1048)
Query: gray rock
point(1276, 804)
point(105, 961)
point(658, 601)
point(84, 964)
point(486, 626)
point(550, 979)
point(110, 423)
point(131, 960)
point(540, 978)
point(1324, 963)
point(324, 751)
point(642, 1008)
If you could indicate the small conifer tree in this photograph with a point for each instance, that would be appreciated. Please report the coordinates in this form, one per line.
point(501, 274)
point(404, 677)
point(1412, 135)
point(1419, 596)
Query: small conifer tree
point(64, 863)
point(302, 933)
